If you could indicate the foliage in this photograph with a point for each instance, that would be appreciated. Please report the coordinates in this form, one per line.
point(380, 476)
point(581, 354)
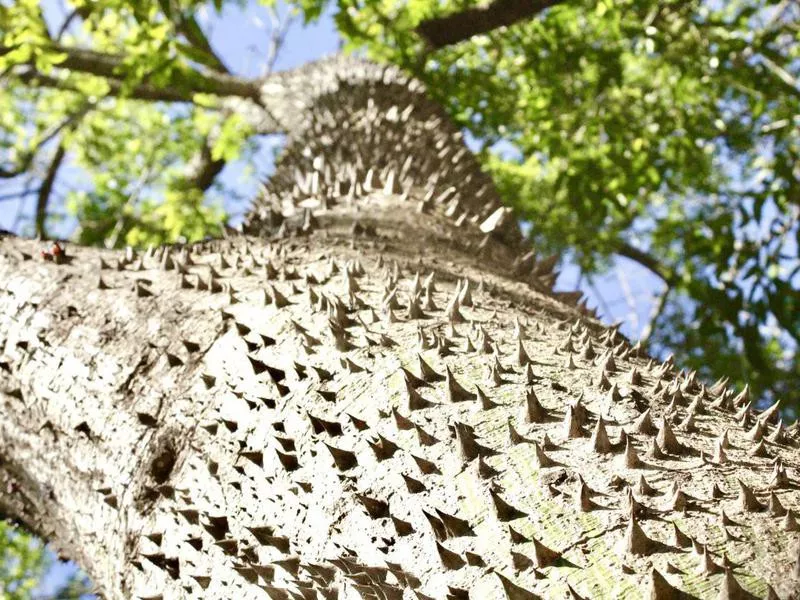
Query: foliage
point(137, 196)
point(665, 131)
point(23, 562)
point(85, 108)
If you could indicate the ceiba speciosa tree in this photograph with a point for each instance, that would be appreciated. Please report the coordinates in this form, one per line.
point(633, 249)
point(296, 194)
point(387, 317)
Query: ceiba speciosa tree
point(372, 392)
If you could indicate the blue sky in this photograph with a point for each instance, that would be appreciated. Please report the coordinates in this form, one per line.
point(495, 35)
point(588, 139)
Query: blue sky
point(241, 36)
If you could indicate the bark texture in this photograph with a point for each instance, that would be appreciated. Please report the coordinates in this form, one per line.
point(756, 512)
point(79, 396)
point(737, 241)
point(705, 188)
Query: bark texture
point(464, 24)
point(374, 394)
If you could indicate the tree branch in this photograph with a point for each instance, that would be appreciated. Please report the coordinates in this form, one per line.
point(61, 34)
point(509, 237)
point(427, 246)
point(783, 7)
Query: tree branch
point(29, 156)
point(648, 261)
point(457, 27)
point(188, 26)
point(279, 29)
point(46, 188)
point(17, 195)
point(655, 313)
point(143, 92)
point(182, 82)
point(66, 24)
point(790, 83)
point(181, 88)
point(204, 169)
point(652, 264)
point(633, 319)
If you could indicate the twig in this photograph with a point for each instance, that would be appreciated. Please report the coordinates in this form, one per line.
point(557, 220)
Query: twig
point(183, 82)
point(19, 194)
point(602, 301)
point(29, 156)
point(791, 83)
point(191, 30)
point(646, 260)
point(655, 313)
point(111, 241)
point(46, 188)
point(277, 38)
point(626, 292)
point(19, 215)
point(65, 25)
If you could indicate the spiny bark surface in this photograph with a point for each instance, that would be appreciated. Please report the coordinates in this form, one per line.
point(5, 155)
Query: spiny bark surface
point(354, 125)
point(377, 397)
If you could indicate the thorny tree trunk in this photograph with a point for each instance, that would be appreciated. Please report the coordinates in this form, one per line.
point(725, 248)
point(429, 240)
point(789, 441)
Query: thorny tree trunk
point(381, 399)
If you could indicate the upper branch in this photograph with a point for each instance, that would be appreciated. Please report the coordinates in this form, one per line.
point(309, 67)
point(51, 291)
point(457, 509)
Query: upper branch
point(28, 157)
point(139, 92)
point(457, 27)
point(182, 82)
point(204, 169)
point(188, 26)
point(46, 189)
point(648, 261)
point(655, 313)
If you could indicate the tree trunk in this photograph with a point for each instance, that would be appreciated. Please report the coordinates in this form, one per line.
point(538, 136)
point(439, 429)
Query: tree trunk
point(377, 397)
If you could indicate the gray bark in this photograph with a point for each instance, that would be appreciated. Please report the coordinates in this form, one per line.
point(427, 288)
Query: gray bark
point(232, 419)
point(460, 26)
